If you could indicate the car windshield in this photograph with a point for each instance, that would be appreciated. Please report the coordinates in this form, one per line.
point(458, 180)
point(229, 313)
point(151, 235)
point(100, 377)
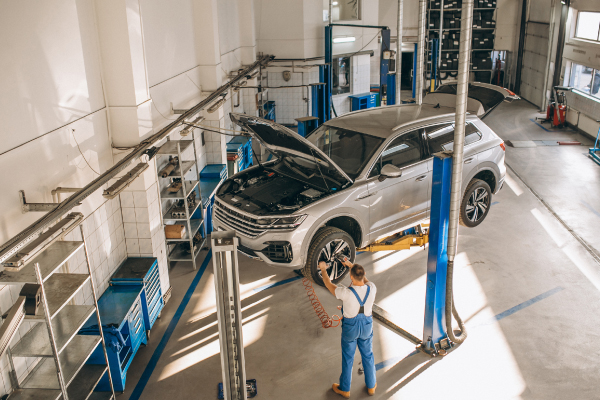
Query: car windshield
point(351, 151)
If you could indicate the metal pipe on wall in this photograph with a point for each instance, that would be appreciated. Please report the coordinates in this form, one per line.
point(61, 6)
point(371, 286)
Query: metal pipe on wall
point(399, 50)
point(330, 11)
point(421, 52)
point(462, 88)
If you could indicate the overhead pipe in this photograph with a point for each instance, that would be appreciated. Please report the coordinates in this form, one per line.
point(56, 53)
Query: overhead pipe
point(462, 88)
point(13, 244)
point(399, 50)
point(420, 73)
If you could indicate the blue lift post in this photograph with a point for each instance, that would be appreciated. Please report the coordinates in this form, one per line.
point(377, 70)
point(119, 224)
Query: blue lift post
point(595, 149)
point(384, 66)
point(434, 326)
point(328, 72)
point(435, 338)
point(414, 72)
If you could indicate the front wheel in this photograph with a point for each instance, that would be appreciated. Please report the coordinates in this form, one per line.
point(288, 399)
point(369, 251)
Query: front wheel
point(476, 203)
point(328, 244)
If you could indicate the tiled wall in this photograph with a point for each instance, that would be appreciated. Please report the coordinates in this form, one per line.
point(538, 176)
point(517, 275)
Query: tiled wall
point(105, 238)
point(361, 79)
point(289, 103)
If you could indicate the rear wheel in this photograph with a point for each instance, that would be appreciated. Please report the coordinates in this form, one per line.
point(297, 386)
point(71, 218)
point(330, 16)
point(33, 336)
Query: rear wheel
point(328, 244)
point(475, 204)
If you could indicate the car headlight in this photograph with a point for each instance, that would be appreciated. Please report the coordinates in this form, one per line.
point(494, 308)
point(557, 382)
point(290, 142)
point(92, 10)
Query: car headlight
point(289, 222)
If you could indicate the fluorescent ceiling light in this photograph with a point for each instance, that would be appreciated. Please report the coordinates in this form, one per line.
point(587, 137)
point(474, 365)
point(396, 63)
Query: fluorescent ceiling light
point(344, 39)
point(335, 3)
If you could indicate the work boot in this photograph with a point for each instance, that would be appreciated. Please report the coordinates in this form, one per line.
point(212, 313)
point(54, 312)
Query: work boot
point(336, 388)
point(372, 391)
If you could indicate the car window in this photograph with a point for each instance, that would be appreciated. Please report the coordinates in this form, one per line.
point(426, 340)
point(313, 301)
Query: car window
point(350, 150)
point(401, 152)
point(441, 137)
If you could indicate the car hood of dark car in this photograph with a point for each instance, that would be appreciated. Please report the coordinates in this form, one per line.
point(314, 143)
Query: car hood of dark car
point(280, 140)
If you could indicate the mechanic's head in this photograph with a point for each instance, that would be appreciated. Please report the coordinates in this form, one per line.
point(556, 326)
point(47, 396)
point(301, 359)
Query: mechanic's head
point(357, 273)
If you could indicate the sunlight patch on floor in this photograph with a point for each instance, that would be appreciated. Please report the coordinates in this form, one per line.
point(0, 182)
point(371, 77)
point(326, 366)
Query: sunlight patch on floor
point(513, 184)
point(467, 370)
point(253, 330)
point(572, 249)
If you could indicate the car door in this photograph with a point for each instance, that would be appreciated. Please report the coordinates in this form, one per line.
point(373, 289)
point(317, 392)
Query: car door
point(440, 137)
point(397, 202)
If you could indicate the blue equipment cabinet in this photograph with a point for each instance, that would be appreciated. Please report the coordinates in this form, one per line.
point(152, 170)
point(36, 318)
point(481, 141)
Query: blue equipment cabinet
point(306, 125)
point(142, 271)
point(363, 101)
point(210, 177)
point(120, 310)
point(242, 146)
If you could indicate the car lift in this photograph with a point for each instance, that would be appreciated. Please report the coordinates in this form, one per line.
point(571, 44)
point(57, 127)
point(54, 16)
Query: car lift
point(435, 339)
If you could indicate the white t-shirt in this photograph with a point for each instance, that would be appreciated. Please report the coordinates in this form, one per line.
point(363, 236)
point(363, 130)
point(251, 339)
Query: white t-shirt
point(351, 304)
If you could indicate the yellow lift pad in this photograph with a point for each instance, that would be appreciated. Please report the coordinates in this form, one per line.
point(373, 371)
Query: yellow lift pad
point(400, 241)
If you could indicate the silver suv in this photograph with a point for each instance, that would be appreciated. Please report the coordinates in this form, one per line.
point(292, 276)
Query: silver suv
point(356, 179)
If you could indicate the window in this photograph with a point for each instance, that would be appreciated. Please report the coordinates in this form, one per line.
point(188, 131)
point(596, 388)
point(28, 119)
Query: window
point(585, 79)
point(441, 137)
point(341, 75)
point(588, 25)
point(403, 151)
point(349, 150)
point(342, 10)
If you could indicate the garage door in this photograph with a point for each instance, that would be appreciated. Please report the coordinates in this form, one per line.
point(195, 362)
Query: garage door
point(534, 62)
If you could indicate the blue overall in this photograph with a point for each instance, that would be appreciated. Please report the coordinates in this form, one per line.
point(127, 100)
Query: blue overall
point(357, 330)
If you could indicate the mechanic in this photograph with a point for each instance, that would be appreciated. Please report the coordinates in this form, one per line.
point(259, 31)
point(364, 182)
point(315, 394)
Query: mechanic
point(357, 325)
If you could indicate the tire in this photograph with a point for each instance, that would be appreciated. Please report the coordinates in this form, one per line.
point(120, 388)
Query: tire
point(324, 239)
point(475, 204)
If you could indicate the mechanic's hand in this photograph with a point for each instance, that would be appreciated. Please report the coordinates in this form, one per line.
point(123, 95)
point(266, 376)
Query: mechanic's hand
point(323, 266)
point(347, 262)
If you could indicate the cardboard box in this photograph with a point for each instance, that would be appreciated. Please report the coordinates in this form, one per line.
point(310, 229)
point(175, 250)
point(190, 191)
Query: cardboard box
point(174, 231)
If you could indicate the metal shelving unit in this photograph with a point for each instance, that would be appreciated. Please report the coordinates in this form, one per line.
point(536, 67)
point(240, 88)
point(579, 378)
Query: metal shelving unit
point(182, 249)
point(434, 31)
point(60, 371)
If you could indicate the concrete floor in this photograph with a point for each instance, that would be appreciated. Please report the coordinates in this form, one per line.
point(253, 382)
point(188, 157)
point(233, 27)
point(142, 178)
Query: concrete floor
point(529, 293)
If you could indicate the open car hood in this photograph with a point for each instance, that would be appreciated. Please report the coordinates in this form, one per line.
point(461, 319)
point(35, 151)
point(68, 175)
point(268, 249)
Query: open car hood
point(483, 97)
point(278, 140)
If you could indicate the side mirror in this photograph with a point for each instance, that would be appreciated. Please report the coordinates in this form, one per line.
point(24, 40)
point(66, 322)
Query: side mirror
point(389, 171)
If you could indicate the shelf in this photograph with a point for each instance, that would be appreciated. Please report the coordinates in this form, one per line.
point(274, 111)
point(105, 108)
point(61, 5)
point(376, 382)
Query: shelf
point(170, 147)
point(187, 165)
point(60, 288)
point(44, 376)
point(178, 254)
point(36, 342)
point(80, 389)
point(167, 217)
point(179, 195)
point(196, 224)
point(86, 380)
point(50, 260)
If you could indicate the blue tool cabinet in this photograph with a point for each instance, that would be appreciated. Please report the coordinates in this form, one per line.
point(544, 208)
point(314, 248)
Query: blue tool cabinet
point(363, 101)
point(243, 146)
point(142, 271)
point(121, 313)
point(210, 178)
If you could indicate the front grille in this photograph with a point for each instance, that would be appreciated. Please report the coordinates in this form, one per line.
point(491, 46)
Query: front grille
point(278, 252)
point(238, 221)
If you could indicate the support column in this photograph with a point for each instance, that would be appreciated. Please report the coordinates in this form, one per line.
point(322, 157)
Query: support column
point(129, 112)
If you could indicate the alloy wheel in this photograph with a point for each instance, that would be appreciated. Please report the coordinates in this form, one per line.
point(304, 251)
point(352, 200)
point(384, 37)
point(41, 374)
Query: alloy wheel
point(330, 253)
point(478, 203)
